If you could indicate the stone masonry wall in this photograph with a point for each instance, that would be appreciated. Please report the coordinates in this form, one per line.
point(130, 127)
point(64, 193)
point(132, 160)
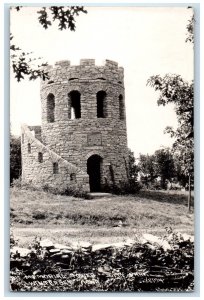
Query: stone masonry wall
point(75, 140)
point(41, 173)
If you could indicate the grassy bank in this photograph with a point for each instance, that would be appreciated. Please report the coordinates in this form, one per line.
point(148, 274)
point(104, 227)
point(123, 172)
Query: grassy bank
point(66, 218)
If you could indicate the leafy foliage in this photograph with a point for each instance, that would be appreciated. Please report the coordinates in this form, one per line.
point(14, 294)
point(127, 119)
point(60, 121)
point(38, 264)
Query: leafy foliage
point(164, 165)
point(173, 89)
point(129, 186)
point(160, 164)
point(132, 166)
point(146, 167)
point(124, 187)
point(15, 158)
point(190, 30)
point(23, 64)
point(77, 191)
point(64, 15)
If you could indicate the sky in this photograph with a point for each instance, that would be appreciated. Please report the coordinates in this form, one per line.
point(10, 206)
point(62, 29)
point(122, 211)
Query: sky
point(145, 41)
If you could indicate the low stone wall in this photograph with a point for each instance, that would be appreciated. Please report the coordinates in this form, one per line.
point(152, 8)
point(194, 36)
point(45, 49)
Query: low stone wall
point(149, 264)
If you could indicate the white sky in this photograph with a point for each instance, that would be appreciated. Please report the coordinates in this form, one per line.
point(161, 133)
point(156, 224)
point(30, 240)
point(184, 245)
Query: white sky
point(145, 41)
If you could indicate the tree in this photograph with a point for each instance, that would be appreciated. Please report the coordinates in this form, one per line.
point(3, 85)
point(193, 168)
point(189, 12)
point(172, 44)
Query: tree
point(15, 158)
point(146, 168)
point(173, 89)
point(132, 166)
point(131, 186)
point(190, 30)
point(159, 165)
point(164, 165)
point(22, 62)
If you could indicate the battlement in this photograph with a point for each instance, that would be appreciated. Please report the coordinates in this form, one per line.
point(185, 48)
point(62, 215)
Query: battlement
point(86, 62)
point(64, 71)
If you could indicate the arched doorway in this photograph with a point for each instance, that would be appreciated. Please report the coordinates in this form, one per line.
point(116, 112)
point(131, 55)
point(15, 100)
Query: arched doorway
point(94, 164)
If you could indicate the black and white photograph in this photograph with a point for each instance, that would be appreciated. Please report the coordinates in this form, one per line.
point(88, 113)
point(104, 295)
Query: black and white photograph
point(102, 148)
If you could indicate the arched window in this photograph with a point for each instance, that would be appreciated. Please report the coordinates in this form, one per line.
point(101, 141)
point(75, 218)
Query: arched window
point(73, 177)
point(74, 105)
point(55, 168)
point(40, 157)
point(121, 107)
point(29, 148)
point(101, 104)
point(50, 108)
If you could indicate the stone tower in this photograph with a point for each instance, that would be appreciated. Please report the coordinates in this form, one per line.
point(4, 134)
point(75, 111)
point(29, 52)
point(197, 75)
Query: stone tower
point(83, 138)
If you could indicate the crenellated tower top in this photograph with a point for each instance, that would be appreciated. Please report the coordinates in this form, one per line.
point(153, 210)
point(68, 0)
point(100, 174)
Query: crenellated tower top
point(64, 72)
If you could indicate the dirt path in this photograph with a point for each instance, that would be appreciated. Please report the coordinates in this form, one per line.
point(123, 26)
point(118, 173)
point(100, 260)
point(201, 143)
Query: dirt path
point(25, 236)
point(71, 230)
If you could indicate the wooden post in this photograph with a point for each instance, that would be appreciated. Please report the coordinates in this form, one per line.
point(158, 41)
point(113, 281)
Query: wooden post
point(189, 193)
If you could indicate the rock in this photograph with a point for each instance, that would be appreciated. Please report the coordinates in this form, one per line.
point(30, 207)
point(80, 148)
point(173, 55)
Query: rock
point(56, 256)
point(64, 257)
point(53, 251)
point(150, 246)
point(66, 251)
point(84, 245)
point(118, 245)
point(22, 251)
point(129, 242)
point(187, 237)
point(61, 246)
point(99, 247)
point(46, 244)
point(152, 239)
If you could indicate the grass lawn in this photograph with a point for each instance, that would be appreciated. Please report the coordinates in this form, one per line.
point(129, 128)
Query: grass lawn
point(66, 219)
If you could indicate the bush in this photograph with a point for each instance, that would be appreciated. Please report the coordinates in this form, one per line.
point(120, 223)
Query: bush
point(39, 215)
point(19, 184)
point(77, 192)
point(123, 188)
point(15, 157)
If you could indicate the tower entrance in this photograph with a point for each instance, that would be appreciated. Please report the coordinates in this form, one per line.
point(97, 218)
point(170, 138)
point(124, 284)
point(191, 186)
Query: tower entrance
point(94, 169)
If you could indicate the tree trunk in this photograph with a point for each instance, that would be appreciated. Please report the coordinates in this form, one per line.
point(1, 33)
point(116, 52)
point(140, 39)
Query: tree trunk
point(189, 193)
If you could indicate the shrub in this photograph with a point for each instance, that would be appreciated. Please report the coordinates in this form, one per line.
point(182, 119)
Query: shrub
point(123, 188)
point(19, 184)
point(39, 215)
point(77, 191)
point(15, 157)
